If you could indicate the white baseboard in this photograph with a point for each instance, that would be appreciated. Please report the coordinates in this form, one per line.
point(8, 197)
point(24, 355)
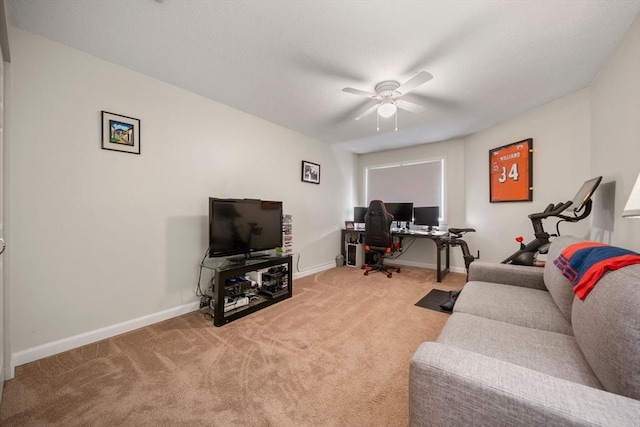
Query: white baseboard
point(330, 265)
point(49, 349)
point(314, 270)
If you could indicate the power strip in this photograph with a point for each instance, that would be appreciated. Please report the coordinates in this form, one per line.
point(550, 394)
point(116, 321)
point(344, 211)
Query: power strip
point(233, 303)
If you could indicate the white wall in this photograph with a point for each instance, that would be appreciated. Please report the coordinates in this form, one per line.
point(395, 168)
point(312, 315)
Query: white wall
point(615, 130)
point(561, 163)
point(102, 237)
point(423, 252)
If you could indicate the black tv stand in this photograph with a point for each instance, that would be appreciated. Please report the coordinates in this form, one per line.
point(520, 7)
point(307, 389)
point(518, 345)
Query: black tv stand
point(258, 301)
point(257, 256)
point(242, 259)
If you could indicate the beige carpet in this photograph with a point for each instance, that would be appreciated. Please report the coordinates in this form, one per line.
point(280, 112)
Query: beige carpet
point(336, 354)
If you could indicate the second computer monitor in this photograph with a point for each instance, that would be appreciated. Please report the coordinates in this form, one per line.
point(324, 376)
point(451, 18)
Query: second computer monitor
point(358, 214)
point(426, 215)
point(402, 212)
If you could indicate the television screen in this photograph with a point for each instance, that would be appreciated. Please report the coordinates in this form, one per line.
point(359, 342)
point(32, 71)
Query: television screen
point(426, 215)
point(242, 226)
point(584, 194)
point(400, 211)
point(358, 214)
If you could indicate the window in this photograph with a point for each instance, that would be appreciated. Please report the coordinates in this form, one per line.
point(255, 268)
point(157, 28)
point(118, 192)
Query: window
point(420, 182)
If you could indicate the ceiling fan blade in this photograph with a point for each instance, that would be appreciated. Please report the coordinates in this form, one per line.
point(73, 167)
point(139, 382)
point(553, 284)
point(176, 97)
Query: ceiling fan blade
point(409, 106)
point(419, 79)
point(431, 101)
point(369, 109)
point(358, 92)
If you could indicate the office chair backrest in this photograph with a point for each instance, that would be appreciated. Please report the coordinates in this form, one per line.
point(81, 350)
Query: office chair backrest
point(378, 225)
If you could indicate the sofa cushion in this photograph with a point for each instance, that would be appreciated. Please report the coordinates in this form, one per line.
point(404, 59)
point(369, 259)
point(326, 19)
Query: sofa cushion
point(543, 351)
point(507, 274)
point(607, 328)
point(559, 287)
point(532, 308)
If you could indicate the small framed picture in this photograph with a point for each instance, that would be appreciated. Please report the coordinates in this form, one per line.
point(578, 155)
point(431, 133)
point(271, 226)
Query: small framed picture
point(310, 172)
point(349, 225)
point(120, 133)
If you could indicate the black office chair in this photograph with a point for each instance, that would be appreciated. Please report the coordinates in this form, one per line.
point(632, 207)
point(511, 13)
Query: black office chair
point(378, 240)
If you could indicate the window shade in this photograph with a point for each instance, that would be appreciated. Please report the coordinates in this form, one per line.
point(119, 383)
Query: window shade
point(420, 183)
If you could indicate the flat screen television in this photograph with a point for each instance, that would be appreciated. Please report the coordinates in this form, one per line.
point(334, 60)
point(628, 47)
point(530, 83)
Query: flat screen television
point(426, 215)
point(243, 226)
point(400, 211)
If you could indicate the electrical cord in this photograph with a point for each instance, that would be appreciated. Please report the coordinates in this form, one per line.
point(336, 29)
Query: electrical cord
point(199, 292)
point(404, 248)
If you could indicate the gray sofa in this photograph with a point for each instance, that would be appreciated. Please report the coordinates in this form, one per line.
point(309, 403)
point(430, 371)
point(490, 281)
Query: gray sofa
point(519, 349)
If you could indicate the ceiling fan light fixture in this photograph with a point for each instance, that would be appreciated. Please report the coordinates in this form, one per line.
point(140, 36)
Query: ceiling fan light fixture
point(387, 109)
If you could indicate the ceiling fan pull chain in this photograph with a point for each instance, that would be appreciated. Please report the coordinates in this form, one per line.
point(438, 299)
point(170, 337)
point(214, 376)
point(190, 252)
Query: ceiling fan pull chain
point(378, 122)
point(396, 120)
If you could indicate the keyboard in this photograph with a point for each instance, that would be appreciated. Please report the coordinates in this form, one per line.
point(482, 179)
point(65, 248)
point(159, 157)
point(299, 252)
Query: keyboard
point(428, 233)
point(418, 232)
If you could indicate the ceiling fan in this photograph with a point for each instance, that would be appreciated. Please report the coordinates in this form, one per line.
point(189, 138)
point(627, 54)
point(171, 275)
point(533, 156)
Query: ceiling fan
point(388, 96)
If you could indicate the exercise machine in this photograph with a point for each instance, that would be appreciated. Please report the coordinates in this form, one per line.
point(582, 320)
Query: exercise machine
point(571, 211)
point(453, 239)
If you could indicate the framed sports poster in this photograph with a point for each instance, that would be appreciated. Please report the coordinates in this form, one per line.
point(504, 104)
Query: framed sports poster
point(511, 172)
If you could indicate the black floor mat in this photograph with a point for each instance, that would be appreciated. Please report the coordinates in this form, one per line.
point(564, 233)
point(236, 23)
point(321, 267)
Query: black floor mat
point(433, 300)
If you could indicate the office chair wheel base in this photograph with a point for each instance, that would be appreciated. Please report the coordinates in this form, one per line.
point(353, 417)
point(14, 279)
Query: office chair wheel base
point(398, 270)
point(366, 273)
point(389, 275)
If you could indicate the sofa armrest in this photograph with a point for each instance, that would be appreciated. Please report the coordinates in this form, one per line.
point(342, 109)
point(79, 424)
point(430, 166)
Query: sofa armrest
point(507, 274)
point(455, 387)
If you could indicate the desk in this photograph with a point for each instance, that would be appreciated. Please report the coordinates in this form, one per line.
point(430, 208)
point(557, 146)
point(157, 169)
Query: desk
point(440, 247)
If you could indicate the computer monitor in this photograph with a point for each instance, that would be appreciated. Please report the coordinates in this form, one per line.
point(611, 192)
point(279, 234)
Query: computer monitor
point(426, 215)
point(358, 214)
point(402, 212)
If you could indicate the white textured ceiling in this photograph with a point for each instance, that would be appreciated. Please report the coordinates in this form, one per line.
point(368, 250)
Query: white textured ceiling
point(287, 61)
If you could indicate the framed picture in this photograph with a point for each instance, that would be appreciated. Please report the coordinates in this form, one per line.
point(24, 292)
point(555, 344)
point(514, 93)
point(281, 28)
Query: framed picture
point(120, 133)
point(349, 225)
point(310, 172)
point(511, 172)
